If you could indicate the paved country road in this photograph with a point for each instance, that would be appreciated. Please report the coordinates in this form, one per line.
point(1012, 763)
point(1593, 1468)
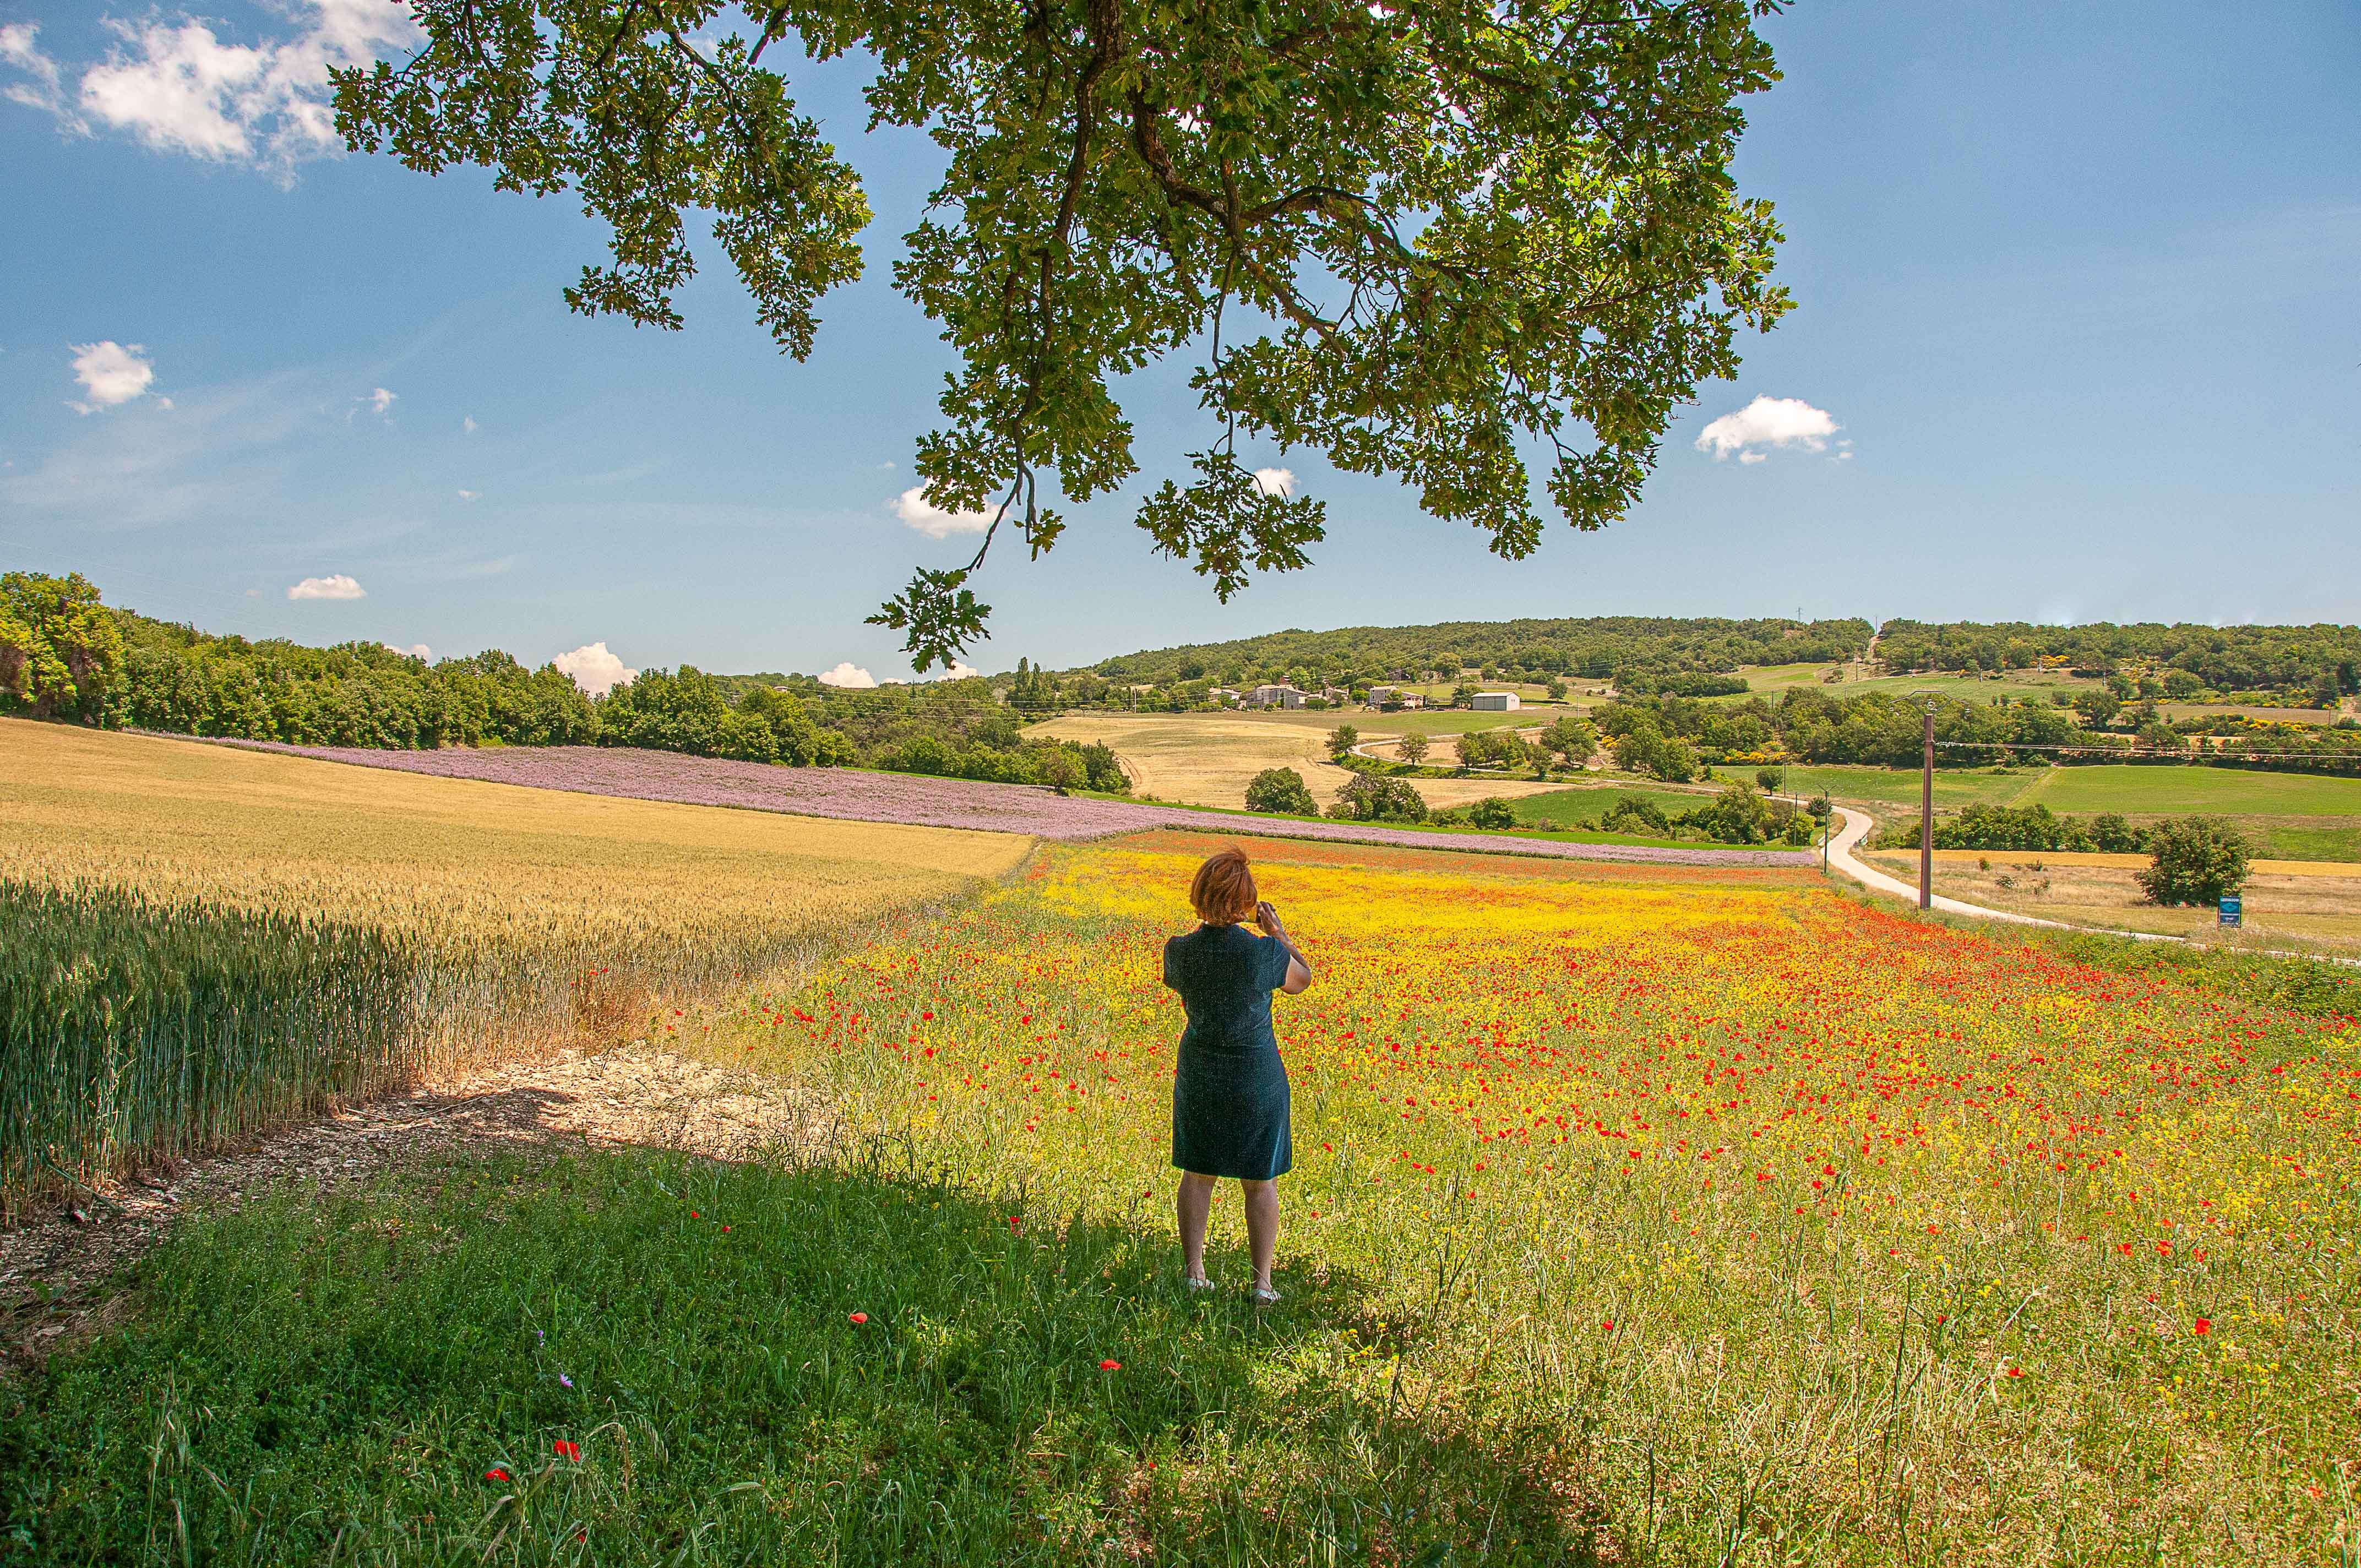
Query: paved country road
point(855, 794)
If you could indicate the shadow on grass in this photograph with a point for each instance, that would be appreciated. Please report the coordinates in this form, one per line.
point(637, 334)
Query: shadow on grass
point(634, 1355)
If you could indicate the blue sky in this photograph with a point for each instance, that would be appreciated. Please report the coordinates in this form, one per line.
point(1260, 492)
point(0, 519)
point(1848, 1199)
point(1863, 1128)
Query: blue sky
point(2075, 291)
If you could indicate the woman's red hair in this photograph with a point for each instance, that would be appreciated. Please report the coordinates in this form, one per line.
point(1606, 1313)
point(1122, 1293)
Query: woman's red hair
point(1224, 892)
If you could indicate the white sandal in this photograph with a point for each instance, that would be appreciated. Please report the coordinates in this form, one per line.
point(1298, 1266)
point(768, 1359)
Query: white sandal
point(1197, 1284)
point(1266, 1297)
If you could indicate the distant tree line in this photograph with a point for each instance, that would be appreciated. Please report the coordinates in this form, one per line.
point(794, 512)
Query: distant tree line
point(1674, 738)
point(64, 654)
point(2325, 661)
point(1618, 648)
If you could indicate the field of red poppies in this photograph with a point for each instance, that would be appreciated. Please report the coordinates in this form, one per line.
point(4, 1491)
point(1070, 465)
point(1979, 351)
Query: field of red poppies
point(1788, 1230)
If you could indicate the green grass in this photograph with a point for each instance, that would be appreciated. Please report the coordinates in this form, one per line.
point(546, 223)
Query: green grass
point(2228, 791)
point(1954, 787)
point(316, 1379)
point(2282, 838)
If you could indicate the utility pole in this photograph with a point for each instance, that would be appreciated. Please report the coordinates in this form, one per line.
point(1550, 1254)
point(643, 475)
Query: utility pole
point(1927, 815)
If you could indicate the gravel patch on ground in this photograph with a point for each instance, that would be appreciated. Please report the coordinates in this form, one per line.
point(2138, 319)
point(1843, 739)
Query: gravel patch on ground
point(54, 1269)
point(858, 796)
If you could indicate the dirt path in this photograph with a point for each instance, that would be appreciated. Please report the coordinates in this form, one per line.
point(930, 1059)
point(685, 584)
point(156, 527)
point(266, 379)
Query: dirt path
point(54, 1269)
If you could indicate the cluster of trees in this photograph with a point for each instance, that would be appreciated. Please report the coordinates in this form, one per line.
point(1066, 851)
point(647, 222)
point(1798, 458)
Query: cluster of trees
point(1366, 798)
point(1739, 815)
point(1061, 764)
point(2024, 828)
point(2323, 660)
point(1624, 649)
point(65, 654)
point(1681, 684)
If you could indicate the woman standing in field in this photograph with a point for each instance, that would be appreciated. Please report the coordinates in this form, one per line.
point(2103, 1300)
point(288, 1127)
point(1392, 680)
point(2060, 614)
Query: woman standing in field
point(1229, 1089)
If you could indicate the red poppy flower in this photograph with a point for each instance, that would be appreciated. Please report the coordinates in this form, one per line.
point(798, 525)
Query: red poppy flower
point(2203, 1325)
point(568, 1451)
point(2016, 1372)
point(495, 1474)
point(1609, 1326)
point(860, 1317)
point(1110, 1366)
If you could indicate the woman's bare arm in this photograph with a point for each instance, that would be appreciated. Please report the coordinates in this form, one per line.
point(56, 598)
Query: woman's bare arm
point(1299, 967)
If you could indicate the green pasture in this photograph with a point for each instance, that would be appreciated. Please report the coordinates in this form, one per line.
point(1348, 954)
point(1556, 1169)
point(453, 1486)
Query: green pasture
point(1954, 787)
point(2232, 791)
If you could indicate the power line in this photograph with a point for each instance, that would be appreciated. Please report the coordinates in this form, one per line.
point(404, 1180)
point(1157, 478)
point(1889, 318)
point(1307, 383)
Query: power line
point(2353, 755)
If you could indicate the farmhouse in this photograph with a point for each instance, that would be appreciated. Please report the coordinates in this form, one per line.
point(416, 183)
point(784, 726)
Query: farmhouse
point(1495, 702)
point(1223, 695)
point(1275, 696)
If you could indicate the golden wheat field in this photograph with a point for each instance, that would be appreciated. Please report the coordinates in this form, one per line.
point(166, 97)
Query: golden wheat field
point(205, 940)
point(449, 859)
point(1207, 758)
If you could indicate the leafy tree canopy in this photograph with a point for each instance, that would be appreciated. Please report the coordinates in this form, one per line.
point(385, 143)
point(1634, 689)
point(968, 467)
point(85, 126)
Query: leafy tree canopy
point(1417, 236)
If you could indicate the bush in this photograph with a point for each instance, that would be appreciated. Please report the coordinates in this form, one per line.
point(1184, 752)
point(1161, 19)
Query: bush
point(2193, 860)
point(1491, 812)
point(1629, 814)
point(1368, 799)
point(1282, 791)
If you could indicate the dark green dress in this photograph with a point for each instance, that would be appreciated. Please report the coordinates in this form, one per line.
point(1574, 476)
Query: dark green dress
point(1229, 1089)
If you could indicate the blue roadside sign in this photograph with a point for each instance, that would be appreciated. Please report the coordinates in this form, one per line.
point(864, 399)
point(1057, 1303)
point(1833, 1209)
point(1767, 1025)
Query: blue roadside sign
point(2230, 910)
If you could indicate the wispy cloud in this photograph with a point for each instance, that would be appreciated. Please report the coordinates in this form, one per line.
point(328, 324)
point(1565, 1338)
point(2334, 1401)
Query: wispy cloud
point(336, 587)
point(176, 85)
point(220, 452)
point(44, 89)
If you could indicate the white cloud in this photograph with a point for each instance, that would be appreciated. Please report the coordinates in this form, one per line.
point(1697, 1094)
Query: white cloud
point(110, 373)
point(1767, 422)
point(594, 669)
point(468, 424)
point(177, 86)
point(955, 671)
point(338, 586)
point(1275, 481)
point(415, 650)
point(46, 90)
point(848, 674)
point(914, 508)
point(380, 400)
point(469, 495)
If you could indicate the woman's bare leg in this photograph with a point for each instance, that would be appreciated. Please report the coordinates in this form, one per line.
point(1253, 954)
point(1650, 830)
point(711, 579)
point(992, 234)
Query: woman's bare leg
point(1262, 1227)
point(1194, 1203)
